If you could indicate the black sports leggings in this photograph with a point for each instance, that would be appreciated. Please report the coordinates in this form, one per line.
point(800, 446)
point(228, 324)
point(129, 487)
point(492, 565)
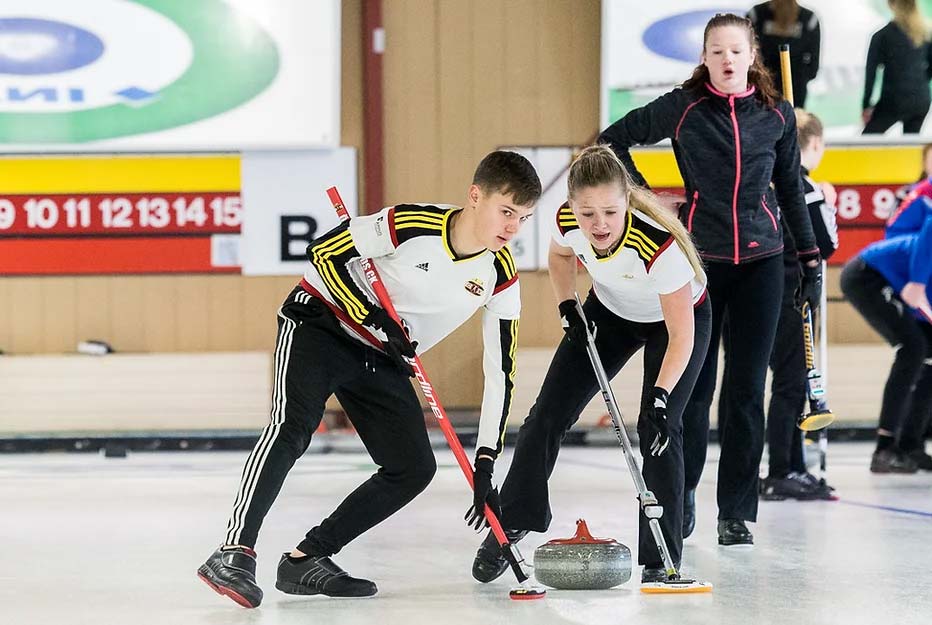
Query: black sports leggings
point(749, 294)
point(906, 396)
point(569, 385)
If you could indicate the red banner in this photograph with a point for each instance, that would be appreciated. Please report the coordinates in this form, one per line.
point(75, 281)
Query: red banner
point(119, 233)
point(120, 214)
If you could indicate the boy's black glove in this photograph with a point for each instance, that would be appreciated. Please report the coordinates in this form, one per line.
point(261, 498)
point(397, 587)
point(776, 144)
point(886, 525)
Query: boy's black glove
point(398, 346)
point(483, 493)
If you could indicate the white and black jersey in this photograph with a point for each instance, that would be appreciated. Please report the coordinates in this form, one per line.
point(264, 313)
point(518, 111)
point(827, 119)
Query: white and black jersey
point(434, 291)
point(646, 263)
point(824, 225)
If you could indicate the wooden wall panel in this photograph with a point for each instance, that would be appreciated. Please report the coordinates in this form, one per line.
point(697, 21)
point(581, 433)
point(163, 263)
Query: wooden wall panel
point(583, 82)
point(92, 311)
point(224, 311)
point(158, 315)
point(523, 94)
point(128, 306)
point(25, 316)
point(191, 313)
point(58, 322)
point(487, 72)
point(556, 64)
point(455, 88)
point(412, 143)
point(6, 322)
point(351, 108)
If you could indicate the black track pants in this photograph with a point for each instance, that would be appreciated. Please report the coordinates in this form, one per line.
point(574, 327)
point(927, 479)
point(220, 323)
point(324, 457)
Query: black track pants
point(314, 359)
point(870, 293)
point(788, 386)
point(885, 116)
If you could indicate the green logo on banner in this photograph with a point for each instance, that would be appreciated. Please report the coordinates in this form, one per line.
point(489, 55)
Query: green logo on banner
point(143, 67)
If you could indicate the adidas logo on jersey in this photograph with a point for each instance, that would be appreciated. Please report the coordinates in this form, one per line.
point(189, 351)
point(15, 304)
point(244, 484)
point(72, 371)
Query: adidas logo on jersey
point(422, 266)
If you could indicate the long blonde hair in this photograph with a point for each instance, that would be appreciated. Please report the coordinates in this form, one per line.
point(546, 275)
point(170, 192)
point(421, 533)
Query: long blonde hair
point(906, 15)
point(597, 165)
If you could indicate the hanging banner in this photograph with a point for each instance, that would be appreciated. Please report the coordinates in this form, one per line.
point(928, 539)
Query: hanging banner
point(648, 47)
point(128, 214)
point(286, 205)
point(164, 75)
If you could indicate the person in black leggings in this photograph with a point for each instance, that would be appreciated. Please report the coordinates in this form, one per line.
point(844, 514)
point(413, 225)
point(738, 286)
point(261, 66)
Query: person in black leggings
point(902, 47)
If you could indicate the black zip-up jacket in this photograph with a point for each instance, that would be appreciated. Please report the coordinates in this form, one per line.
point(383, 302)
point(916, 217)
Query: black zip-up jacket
point(728, 149)
point(907, 70)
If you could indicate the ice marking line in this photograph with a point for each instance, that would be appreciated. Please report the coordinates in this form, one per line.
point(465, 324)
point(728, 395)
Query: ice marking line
point(921, 513)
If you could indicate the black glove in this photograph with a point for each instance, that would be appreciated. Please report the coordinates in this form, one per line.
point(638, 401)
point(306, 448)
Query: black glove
point(656, 415)
point(573, 324)
point(398, 346)
point(482, 494)
point(810, 286)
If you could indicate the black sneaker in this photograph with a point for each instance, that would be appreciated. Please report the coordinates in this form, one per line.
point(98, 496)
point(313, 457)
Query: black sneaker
point(689, 512)
point(820, 487)
point(319, 575)
point(892, 461)
point(734, 532)
point(921, 458)
point(654, 574)
point(793, 486)
point(490, 561)
point(231, 572)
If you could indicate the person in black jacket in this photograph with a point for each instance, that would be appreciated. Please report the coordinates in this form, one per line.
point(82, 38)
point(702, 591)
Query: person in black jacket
point(902, 47)
point(779, 22)
point(731, 136)
point(788, 477)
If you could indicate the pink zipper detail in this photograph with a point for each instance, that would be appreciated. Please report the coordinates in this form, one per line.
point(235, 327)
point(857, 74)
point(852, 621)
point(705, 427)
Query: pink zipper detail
point(763, 202)
point(692, 211)
point(734, 201)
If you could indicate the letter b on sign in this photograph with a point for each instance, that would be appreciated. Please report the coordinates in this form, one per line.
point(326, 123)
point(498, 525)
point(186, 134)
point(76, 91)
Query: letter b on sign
point(297, 231)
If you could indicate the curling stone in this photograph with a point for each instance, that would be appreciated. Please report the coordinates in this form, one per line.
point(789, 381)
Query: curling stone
point(582, 562)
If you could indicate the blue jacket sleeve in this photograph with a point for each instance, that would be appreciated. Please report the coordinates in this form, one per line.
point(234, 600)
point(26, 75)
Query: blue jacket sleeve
point(910, 216)
point(920, 260)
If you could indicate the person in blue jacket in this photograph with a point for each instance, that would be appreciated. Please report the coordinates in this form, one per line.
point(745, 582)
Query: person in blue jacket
point(888, 283)
point(912, 211)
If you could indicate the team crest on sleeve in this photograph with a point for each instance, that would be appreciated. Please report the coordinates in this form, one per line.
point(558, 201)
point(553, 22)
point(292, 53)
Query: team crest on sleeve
point(475, 287)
